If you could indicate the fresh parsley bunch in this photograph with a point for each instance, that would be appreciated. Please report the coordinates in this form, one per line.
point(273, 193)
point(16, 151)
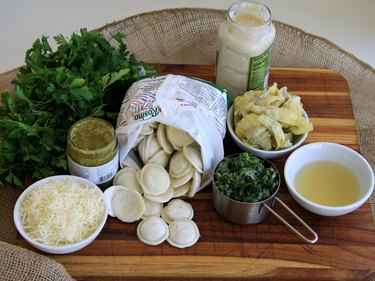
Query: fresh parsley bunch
point(84, 76)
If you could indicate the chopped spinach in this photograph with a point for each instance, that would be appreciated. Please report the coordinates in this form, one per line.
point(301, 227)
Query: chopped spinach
point(246, 178)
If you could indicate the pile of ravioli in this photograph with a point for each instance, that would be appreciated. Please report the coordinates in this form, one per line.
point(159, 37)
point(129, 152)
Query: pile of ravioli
point(171, 222)
point(172, 168)
point(269, 120)
point(175, 151)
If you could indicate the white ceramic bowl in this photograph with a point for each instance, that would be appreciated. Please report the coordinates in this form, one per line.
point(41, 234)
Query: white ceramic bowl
point(57, 249)
point(272, 154)
point(334, 152)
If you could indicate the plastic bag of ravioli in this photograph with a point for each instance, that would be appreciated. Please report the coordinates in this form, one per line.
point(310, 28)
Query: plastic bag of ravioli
point(176, 122)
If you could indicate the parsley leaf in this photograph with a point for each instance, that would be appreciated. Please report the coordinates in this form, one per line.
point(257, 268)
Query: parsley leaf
point(84, 76)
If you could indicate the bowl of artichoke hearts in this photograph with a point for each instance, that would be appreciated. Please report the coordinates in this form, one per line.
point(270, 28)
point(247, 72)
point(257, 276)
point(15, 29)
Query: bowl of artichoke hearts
point(269, 124)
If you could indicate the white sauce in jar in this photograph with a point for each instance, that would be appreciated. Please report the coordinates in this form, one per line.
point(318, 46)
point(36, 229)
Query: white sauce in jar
point(246, 19)
point(245, 46)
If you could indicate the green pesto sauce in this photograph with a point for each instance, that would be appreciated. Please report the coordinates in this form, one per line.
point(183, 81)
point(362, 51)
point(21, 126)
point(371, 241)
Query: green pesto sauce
point(92, 134)
point(92, 142)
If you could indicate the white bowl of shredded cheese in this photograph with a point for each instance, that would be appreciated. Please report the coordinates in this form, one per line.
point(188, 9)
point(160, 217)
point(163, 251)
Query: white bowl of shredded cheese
point(60, 214)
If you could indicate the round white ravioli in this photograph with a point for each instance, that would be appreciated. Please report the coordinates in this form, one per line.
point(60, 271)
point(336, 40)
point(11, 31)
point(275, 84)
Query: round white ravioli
point(179, 165)
point(177, 182)
point(181, 190)
point(183, 233)
point(128, 205)
point(161, 158)
point(152, 231)
point(141, 149)
point(127, 177)
point(193, 155)
point(154, 124)
point(151, 146)
point(161, 198)
point(178, 137)
point(147, 129)
point(177, 209)
point(109, 194)
point(161, 135)
point(195, 183)
point(154, 179)
point(152, 208)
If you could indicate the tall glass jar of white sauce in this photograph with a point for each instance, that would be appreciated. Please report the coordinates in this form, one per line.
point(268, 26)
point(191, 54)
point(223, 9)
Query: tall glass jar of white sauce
point(245, 45)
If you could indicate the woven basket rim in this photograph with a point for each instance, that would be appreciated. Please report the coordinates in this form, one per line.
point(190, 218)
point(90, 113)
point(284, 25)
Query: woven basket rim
point(298, 30)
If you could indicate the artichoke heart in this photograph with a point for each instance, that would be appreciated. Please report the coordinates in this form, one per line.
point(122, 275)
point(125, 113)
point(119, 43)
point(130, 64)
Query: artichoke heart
point(275, 129)
point(288, 142)
point(253, 133)
point(273, 96)
point(293, 101)
point(271, 119)
point(243, 104)
point(303, 126)
point(285, 115)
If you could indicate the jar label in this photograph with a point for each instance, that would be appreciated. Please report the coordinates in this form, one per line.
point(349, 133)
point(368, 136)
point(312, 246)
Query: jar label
point(97, 174)
point(259, 69)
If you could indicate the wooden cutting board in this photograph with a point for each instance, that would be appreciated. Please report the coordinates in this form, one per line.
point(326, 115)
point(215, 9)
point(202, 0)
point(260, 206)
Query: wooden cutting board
point(269, 250)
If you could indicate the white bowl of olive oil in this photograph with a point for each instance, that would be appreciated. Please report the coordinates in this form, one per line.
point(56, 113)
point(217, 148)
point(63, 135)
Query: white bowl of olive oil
point(328, 179)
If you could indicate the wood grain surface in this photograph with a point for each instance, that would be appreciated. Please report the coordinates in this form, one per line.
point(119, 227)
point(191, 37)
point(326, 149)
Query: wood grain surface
point(269, 250)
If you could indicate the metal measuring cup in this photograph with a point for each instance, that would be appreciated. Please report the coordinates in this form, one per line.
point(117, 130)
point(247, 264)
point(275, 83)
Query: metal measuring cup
point(252, 213)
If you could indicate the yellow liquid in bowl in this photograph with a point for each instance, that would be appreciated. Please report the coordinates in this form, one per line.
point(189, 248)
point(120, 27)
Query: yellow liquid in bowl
point(327, 183)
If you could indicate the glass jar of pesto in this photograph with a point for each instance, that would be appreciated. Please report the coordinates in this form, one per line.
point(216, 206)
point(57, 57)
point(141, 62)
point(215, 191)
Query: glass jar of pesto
point(93, 151)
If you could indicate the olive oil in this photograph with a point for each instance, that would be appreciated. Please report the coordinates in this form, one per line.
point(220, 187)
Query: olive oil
point(327, 183)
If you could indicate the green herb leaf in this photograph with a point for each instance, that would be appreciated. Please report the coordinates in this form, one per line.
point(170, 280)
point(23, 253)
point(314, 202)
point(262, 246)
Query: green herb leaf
point(84, 76)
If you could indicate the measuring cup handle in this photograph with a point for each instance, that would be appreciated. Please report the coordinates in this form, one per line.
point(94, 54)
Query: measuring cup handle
point(311, 241)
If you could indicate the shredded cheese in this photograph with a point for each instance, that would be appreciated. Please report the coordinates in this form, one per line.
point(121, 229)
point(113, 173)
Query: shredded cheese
point(62, 212)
